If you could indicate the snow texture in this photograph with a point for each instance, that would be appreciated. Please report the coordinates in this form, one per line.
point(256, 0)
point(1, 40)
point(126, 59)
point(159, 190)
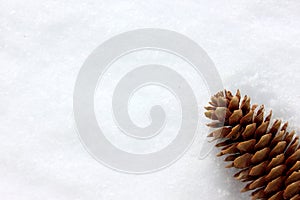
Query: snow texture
point(255, 45)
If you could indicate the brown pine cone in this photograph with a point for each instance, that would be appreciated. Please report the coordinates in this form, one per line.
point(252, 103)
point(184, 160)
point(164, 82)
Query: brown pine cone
point(268, 156)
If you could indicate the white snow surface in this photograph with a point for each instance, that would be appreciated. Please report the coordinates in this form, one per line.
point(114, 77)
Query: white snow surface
point(255, 45)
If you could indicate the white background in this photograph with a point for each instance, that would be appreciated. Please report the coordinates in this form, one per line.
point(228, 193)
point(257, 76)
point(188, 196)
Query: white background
point(255, 45)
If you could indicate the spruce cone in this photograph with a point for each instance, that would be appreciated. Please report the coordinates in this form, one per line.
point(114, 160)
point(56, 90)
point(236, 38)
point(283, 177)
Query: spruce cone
point(268, 156)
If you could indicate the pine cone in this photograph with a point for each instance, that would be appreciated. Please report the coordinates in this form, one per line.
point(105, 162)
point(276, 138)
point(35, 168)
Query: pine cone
point(268, 156)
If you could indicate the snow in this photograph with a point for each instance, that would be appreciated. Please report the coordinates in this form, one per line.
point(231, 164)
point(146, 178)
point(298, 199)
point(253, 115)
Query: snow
point(255, 46)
